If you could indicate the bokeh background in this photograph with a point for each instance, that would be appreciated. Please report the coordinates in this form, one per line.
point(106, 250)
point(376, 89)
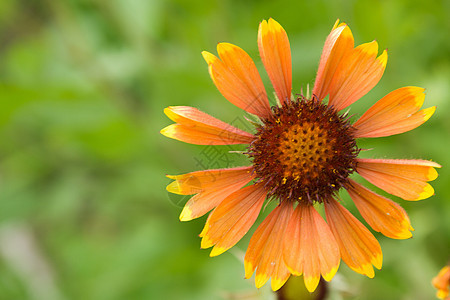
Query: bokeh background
point(84, 213)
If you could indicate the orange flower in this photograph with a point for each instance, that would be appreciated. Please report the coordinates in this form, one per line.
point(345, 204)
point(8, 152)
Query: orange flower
point(302, 154)
point(442, 283)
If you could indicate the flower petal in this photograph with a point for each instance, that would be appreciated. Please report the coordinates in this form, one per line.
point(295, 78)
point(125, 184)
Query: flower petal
point(196, 127)
point(264, 252)
point(442, 282)
point(275, 53)
point(357, 73)
point(382, 214)
point(359, 248)
point(404, 178)
point(210, 194)
point(200, 181)
point(309, 247)
point(231, 220)
point(395, 113)
point(237, 79)
point(338, 44)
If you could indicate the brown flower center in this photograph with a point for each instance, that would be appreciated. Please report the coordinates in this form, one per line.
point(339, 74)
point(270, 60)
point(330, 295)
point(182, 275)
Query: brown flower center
point(305, 152)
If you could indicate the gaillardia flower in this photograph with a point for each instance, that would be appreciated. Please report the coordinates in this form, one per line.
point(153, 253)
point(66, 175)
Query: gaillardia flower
point(302, 153)
point(442, 283)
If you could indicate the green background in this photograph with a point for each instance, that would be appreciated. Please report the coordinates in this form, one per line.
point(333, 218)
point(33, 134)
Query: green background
point(84, 213)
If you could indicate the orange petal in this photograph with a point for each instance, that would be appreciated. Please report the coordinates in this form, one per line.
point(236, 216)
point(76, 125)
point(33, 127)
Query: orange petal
point(359, 248)
point(357, 73)
point(237, 79)
point(196, 127)
point(240, 63)
point(209, 198)
point(404, 178)
point(338, 44)
point(275, 53)
point(264, 252)
point(231, 220)
point(395, 113)
point(309, 247)
point(442, 282)
point(200, 181)
point(382, 214)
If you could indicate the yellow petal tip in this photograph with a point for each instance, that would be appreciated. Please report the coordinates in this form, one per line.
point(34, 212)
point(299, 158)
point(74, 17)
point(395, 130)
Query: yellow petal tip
point(294, 272)
point(204, 230)
point(328, 276)
point(277, 283)
point(225, 47)
point(217, 251)
point(169, 131)
point(249, 269)
point(383, 58)
point(311, 283)
point(366, 269)
point(168, 110)
point(261, 280)
point(174, 187)
point(428, 112)
point(206, 242)
point(209, 57)
point(432, 174)
point(427, 192)
point(186, 214)
point(335, 25)
point(377, 261)
point(275, 26)
point(441, 294)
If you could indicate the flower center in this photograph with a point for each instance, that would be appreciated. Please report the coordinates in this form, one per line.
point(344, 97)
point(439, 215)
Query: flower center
point(304, 153)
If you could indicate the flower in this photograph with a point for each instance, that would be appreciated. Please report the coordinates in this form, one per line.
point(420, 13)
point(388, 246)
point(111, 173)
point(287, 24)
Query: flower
point(302, 153)
point(442, 283)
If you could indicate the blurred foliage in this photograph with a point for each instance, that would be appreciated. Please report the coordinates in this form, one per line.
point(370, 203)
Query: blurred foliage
point(82, 164)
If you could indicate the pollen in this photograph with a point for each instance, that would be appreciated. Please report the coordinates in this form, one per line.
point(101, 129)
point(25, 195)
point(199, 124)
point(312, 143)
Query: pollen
point(305, 152)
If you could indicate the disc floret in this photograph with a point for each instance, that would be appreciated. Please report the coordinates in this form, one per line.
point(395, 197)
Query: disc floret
point(305, 152)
